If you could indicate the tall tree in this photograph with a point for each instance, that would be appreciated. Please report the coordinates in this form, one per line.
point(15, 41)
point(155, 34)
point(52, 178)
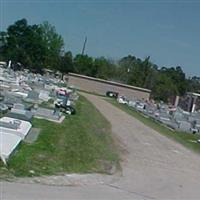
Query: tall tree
point(193, 84)
point(35, 46)
point(103, 68)
point(66, 64)
point(136, 72)
point(164, 88)
point(177, 77)
point(54, 44)
point(23, 43)
point(83, 64)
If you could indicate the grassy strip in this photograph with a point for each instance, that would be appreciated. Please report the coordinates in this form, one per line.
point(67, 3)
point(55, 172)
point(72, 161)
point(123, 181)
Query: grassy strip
point(93, 93)
point(82, 143)
point(186, 139)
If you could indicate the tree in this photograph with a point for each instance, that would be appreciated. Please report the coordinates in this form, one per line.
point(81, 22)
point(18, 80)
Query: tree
point(66, 64)
point(151, 77)
point(83, 64)
point(177, 77)
point(136, 72)
point(193, 84)
point(23, 43)
point(164, 88)
point(3, 41)
point(54, 45)
point(127, 69)
point(103, 68)
point(35, 46)
point(38, 46)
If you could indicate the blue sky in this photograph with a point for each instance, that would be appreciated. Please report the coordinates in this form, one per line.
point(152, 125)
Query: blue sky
point(168, 31)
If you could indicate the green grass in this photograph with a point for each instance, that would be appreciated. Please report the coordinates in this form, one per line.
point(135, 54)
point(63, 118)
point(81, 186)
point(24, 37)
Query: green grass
point(82, 143)
point(185, 139)
point(93, 93)
point(61, 84)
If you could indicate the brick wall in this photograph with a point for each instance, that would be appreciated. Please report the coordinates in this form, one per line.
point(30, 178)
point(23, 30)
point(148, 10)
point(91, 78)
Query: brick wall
point(101, 86)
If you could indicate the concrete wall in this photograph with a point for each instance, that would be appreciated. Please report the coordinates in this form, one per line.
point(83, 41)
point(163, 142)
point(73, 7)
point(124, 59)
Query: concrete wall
point(101, 86)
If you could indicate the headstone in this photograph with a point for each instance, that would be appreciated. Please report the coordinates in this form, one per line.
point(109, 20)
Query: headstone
point(18, 106)
point(33, 95)
point(185, 126)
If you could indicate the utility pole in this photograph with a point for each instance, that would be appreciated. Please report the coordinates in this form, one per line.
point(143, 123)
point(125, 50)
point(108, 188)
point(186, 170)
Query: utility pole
point(84, 45)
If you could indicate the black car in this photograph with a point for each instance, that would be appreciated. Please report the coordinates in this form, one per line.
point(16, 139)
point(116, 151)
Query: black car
point(112, 94)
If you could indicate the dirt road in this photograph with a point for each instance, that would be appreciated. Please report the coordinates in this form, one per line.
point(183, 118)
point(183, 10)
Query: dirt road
point(153, 167)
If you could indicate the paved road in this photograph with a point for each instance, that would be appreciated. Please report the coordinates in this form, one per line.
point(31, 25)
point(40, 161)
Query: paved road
point(153, 167)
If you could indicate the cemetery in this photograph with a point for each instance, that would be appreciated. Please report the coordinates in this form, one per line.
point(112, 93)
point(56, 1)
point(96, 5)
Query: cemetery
point(22, 96)
point(47, 128)
point(172, 116)
point(32, 105)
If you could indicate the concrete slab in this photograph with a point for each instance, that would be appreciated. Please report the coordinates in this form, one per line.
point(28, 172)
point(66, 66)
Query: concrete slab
point(32, 135)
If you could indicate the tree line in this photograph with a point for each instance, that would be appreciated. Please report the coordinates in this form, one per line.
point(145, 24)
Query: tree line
point(39, 46)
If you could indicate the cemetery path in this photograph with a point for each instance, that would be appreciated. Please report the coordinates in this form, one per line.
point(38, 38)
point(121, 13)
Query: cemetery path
point(153, 167)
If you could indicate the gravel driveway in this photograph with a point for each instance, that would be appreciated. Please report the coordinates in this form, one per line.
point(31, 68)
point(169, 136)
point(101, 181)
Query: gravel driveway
point(153, 167)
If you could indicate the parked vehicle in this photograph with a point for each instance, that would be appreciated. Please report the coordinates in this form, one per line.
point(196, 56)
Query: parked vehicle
point(112, 94)
point(122, 100)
